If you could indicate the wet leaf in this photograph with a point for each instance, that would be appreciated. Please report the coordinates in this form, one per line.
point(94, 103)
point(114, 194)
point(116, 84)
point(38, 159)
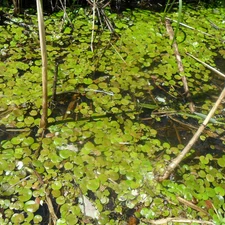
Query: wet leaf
point(60, 200)
point(31, 206)
point(221, 162)
point(17, 218)
point(37, 219)
point(56, 185)
point(25, 194)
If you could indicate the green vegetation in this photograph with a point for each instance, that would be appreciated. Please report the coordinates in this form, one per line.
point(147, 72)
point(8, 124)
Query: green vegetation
point(109, 148)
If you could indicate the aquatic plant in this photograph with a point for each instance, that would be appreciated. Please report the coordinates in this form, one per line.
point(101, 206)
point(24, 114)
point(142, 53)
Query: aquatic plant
point(115, 140)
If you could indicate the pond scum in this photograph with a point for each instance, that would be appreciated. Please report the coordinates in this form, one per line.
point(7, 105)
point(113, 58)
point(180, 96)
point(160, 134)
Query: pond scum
point(117, 116)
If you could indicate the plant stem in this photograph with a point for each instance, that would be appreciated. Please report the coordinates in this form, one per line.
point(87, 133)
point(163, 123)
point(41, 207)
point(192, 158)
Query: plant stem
point(41, 27)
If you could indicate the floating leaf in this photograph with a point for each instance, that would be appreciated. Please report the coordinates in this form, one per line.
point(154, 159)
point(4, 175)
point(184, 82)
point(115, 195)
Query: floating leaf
point(25, 194)
point(221, 162)
point(56, 185)
point(28, 141)
point(31, 206)
point(60, 200)
point(3, 165)
point(18, 218)
point(210, 177)
point(68, 166)
point(93, 185)
point(64, 154)
point(37, 219)
point(61, 222)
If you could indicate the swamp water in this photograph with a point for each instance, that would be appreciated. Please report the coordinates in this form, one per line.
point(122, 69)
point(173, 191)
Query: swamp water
point(118, 118)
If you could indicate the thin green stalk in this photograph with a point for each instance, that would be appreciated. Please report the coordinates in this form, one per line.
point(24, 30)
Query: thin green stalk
point(167, 9)
point(178, 21)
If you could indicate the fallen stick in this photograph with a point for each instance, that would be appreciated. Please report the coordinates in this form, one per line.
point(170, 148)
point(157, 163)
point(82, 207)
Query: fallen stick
point(180, 65)
point(178, 220)
point(175, 162)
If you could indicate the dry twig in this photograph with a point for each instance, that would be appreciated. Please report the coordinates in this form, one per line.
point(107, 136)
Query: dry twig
point(41, 28)
point(191, 205)
point(178, 220)
point(52, 218)
point(175, 162)
point(180, 65)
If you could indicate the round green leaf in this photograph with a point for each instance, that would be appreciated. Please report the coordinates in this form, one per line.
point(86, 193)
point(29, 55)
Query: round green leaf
point(209, 178)
point(68, 165)
point(61, 222)
point(37, 219)
point(25, 194)
point(93, 185)
point(31, 206)
point(60, 200)
point(28, 141)
point(17, 218)
point(221, 162)
point(3, 165)
point(16, 140)
point(56, 185)
point(64, 154)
